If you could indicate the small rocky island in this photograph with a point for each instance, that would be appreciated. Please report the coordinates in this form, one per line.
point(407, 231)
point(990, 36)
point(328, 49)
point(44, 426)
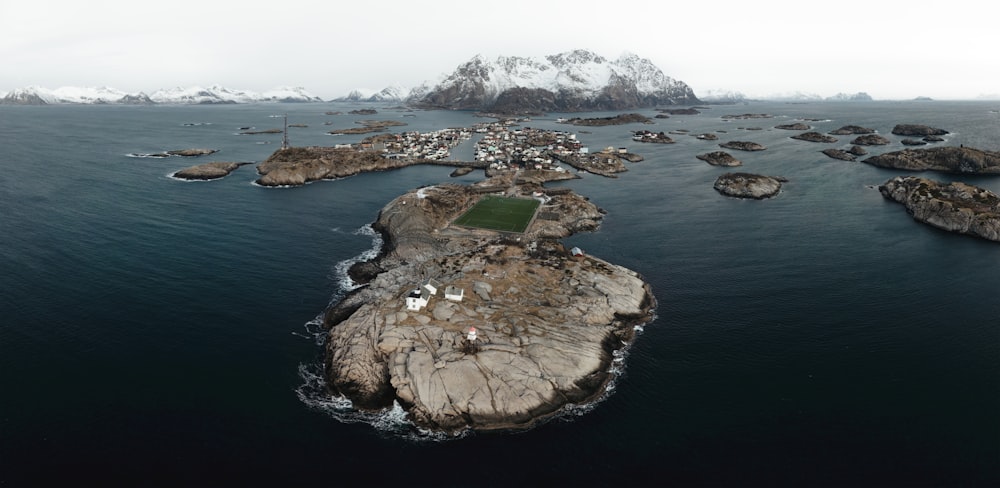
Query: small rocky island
point(745, 185)
point(743, 146)
point(719, 158)
point(814, 137)
point(620, 119)
point(954, 207)
point(965, 160)
point(208, 171)
point(469, 328)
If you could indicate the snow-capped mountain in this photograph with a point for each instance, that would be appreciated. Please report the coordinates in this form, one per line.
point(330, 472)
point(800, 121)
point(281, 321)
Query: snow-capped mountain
point(722, 96)
point(393, 93)
point(34, 95)
point(569, 81)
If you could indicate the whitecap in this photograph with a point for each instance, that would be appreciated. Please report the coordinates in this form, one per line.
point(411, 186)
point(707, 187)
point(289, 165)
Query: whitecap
point(340, 270)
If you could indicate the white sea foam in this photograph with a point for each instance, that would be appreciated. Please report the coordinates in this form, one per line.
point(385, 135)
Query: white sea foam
point(391, 421)
point(340, 270)
point(148, 155)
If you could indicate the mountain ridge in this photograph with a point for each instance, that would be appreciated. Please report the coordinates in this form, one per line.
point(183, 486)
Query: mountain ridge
point(215, 94)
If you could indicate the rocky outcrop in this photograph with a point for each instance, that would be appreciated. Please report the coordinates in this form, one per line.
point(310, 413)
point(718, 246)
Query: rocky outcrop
point(917, 130)
point(192, 152)
point(814, 137)
point(955, 207)
point(651, 137)
point(208, 171)
point(548, 322)
point(795, 126)
point(743, 146)
point(963, 160)
point(745, 185)
point(619, 119)
point(719, 158)
point(852, 130)
point(300, 165)
point(870, 140)
point(839, 154)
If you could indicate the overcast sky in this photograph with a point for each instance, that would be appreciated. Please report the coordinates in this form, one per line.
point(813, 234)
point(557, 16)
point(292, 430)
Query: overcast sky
point(944, 50)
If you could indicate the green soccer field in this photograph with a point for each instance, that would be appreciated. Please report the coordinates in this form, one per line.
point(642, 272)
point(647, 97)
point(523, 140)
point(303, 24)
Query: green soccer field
point(500, 213)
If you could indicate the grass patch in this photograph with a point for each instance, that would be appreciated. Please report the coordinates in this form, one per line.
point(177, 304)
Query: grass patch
point(500, 213)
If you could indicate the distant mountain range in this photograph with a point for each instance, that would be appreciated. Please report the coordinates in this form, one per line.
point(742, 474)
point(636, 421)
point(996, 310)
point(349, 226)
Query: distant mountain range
point(565, 82)
point(35, 95)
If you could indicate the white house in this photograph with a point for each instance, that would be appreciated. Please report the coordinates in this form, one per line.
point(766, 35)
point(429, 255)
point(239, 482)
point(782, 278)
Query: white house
point(454, 293)
point(432, 286)
point(417, 299)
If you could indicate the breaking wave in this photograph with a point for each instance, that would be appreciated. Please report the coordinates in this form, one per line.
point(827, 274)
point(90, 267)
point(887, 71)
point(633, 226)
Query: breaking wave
point(339, 273)
point(390, 422)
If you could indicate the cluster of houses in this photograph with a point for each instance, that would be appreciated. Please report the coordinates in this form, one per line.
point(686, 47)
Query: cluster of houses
point(415, 145)
point(424, 145)
point(420, 297)
point(504, 147)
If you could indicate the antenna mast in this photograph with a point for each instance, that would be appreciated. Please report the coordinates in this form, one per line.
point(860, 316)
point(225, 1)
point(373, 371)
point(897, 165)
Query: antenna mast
point(284, 139)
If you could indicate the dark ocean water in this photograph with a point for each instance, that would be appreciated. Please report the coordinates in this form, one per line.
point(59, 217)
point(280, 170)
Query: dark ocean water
point(159, 332)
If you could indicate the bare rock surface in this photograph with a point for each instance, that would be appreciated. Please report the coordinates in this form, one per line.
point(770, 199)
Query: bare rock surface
point(965, 160)
point(719, 158)
point(954, 207)
point(548, 322)
point(743, 146)
point(746, 185)
point(208, 171)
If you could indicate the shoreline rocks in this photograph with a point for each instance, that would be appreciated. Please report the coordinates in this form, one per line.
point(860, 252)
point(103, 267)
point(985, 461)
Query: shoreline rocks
point(954, 207)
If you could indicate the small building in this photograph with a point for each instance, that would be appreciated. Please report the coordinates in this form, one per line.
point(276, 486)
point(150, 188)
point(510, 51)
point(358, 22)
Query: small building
point(576, 252)
point(417, 299)
point(432, 286)
point(454, 293)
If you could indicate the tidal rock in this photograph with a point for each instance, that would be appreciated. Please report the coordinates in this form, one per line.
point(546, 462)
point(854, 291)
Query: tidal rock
point(954, 207)
point(858, 151)
point(719, 158)
point(917, 130)
point(870, 140)
point(192, 152)
point(745, 185)
point(839, 154)
point(743, 146)
point(964, 160)
point(912, 142)
point(814, 137)
point(852, 129)
point(795, 126)
point(208, 171)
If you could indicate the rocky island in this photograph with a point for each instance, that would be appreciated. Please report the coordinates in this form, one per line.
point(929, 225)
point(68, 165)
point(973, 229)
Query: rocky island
point(964, 160)
point(814, 137)
point(719, 158)
point(208, 171)
point(954, 207)
point(470, 328)
point(743, 146)
point(620, 119)
point(745, 185)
